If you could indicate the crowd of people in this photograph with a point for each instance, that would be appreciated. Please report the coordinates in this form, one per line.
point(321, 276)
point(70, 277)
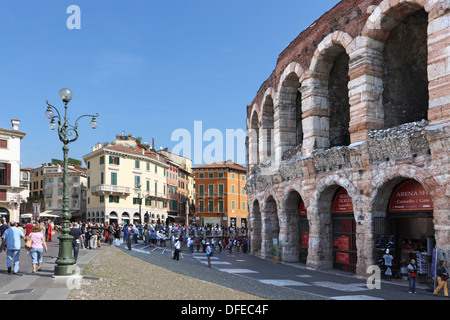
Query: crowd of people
point(89, 235)
point(37, 234)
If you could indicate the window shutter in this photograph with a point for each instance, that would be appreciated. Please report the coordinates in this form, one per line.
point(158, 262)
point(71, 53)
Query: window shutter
point(8, 174)
point(110, 159)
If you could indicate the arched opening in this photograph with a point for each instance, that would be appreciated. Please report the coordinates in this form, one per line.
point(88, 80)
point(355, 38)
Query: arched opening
point(256, 228)
point(136, 218)
point(344, 232)
point(254, 140)
point(125, 218)
point(290, 114)
point(298, 227)
point(4, 214)
point(404, 225)
point(113, 218)
point(338, 99)
point(405, 79)
point(271, 227)
point(267, 126)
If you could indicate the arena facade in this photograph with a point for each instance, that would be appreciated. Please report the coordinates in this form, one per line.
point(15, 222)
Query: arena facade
point(348, 139)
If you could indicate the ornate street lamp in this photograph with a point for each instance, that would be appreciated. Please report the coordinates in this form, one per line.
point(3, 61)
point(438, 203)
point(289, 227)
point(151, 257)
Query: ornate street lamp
point(65, 131)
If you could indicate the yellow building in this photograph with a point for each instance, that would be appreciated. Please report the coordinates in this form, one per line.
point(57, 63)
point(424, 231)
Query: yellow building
point(220, 197)
point(125, 185)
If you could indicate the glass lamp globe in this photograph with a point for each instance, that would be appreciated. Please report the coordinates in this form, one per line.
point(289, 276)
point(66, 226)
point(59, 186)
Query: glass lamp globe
point(65, 95)
point(52, 125)
point(49, 113)
point(94, 123)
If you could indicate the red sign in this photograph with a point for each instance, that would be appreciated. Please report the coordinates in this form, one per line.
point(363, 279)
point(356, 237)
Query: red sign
point(410, 196)
point(302, 209)
point(305, 240)
point(342, 202)
point(342, 257)
point(344, 243)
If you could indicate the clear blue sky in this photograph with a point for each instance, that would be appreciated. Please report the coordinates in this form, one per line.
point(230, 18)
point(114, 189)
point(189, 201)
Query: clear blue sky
point(147, 67)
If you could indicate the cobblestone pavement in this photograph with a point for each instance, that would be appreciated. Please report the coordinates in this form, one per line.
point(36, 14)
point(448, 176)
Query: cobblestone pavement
point(117, 273)
point(114, 274)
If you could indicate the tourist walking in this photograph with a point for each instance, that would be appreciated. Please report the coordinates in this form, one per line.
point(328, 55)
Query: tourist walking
point(3, 228)
point(209, 253)
point(442, 277)
point(77, 240)
point(93, 236)
point(50, 231)
point(116, 235)
point(176, 254)
point(38, 245)
point(12, 244)
point(412, 271)
point(129, 236)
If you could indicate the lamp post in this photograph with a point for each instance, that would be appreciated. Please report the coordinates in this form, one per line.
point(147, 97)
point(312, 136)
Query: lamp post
point(65, 132)
point(141, 195)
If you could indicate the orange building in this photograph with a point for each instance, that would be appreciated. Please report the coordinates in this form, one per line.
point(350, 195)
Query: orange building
point(220, 197)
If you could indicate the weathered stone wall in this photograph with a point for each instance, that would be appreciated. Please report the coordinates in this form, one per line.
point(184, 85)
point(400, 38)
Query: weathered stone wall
point(384, 146)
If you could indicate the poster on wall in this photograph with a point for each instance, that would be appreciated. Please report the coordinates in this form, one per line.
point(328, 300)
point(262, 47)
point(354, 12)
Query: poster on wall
point(343, 257)
point(305, 240)
point(410, 196)
point(302, 209)
point(342, 202)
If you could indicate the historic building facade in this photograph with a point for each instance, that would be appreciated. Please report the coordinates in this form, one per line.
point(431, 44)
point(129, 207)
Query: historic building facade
point(10, 186)
point(348, 139)
point(220, 196)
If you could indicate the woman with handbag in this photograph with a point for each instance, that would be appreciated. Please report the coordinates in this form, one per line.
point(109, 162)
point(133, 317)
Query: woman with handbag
point(36, 243)
point(412, 271)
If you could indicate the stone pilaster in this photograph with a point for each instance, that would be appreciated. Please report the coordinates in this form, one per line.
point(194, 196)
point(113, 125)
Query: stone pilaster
point(365, 88)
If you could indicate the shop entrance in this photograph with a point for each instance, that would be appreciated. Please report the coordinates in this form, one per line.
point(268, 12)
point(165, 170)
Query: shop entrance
point(304, 233)
point(407, 231)
point(344, 232)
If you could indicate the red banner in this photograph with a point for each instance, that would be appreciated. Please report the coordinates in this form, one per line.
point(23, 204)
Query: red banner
point(302, 209)
point(342, 257)
point(410, 196)
point(342, 202)
point(305, 240)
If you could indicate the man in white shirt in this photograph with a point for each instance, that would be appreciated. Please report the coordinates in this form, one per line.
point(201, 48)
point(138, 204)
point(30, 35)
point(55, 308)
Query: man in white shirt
point(176, 254)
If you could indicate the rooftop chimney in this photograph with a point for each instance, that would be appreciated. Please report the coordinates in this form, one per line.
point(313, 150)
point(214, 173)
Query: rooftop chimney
point(15, 124)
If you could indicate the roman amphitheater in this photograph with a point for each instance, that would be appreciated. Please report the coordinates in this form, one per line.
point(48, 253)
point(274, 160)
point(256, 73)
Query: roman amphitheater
point(348, 140)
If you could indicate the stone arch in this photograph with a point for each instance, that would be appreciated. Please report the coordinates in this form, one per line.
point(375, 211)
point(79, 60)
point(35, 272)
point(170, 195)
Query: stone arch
point(326, 104)
point(385, 181)
point(290, 239)
point(253, 135)
point(428, 72)
point(320, 253)
point(289, 133)
point(266, 142)
point(389, 13)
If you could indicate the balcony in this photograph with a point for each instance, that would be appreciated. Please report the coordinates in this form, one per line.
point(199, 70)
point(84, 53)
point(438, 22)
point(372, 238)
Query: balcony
point(106, 189)
point(156, 196)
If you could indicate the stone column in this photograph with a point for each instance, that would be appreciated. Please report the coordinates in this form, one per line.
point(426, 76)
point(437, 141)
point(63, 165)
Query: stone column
point(315, 113)
point(365, 88)
point(320, 246)
point(439, 69)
